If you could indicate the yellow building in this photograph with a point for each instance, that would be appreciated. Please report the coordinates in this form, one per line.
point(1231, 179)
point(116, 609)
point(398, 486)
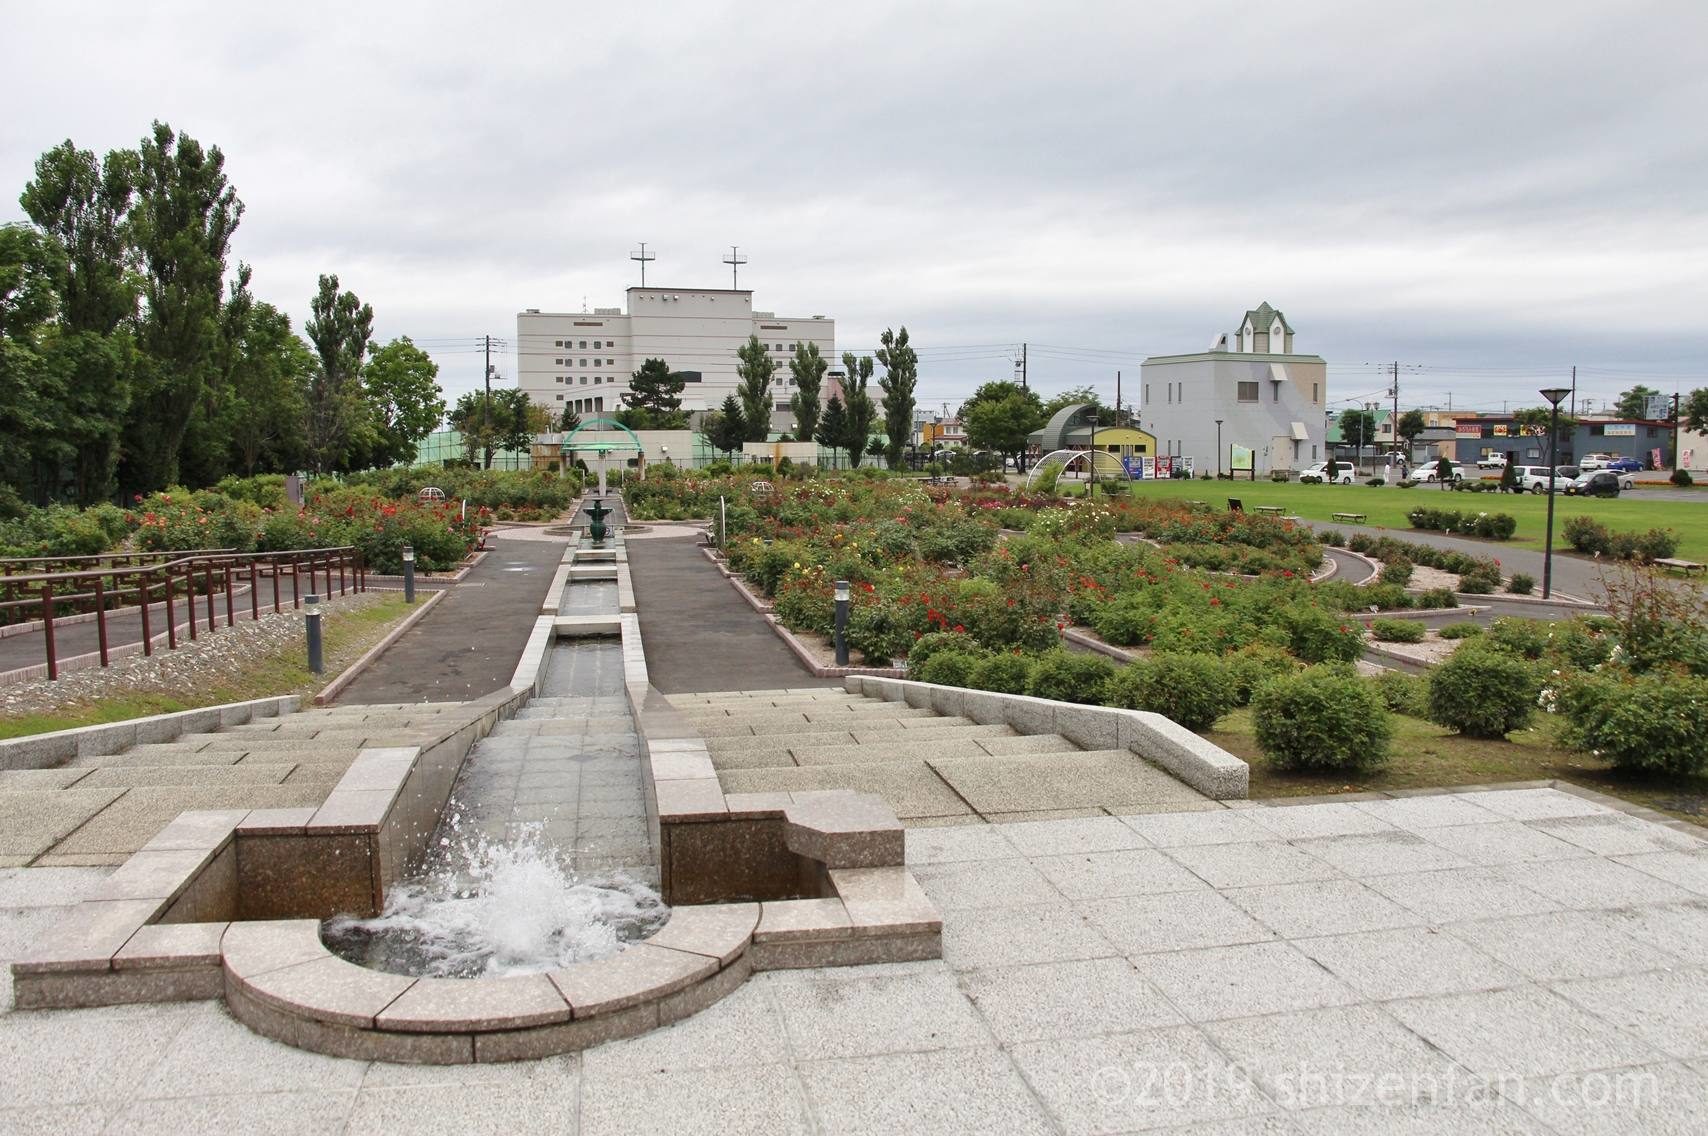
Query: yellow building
point(1122, 441)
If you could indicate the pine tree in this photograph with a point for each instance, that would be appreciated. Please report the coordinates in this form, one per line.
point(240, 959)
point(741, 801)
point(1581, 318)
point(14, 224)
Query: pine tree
point(832, 426)
point(726, 429)
point(657, 390)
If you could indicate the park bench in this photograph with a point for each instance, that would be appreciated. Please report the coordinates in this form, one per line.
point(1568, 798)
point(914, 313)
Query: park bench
point(1235, 505)
point(1688, 567)
point(1350, 518)
point(1270, 510)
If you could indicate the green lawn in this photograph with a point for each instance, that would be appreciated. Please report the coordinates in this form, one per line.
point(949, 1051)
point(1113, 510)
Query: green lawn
point(348, 634)
point(1424, 755)
point(1387, 506)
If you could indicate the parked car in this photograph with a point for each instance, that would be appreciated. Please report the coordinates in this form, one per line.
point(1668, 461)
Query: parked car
point(1534, 479)
point(1569, 472)
point(1491, 465)
point(1427, 472)
point(1596, 483)
point(1318, 474)
point(1589, 463)
point(1624, 465)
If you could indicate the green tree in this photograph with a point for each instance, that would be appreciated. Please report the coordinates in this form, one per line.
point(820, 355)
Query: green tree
point(1694, 410)
point(503, 420)
point(806, 367)
point(832, 427)
point(265, 422)
point(1411, 426)
point(724, 428)
point(999, 417)
point(754, 371)
point(82, 203)
point(403, 402)
point(858, 409)
point(901, 377)
point(1634, 403)
point(1072, 397)
point(656, 390)
point(1357, 428)
point(569, 419)
point(31, 264)
point(339, 329)
point(179, 231)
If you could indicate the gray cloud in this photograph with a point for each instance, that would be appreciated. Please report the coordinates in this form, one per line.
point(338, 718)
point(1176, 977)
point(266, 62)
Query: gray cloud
point(1494, 190)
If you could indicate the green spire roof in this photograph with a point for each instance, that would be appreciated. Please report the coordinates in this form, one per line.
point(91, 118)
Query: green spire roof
point(1263, 315)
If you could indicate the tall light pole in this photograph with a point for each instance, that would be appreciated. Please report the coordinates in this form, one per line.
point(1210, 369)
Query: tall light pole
point(1553, 395)
point(1091, 491)
point(1218, 449)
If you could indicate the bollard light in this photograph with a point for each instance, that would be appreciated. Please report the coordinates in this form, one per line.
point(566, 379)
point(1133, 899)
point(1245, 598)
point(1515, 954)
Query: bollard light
point(408, 573)
point(842, 593)
point(311, 621)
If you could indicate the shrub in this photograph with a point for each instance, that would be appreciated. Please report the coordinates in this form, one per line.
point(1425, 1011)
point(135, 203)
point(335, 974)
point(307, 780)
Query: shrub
point(1193, 690)
point(1587, 535)
point(1332, 537)
point(1482, 693)
point(1521, 584)
point(1437, 598)
point(947, 668)
point(1376, 483)
point(1397, 630)
point(1402, 693)
point(1524, 638)
point(1653, 722)
point(1279, 475)
point(1460, 631)
point(1682, 478)
point(1406, 483)
point(1048, 474)
point(1492, 526)
point(929, 644)
point(1317, 636)
point(1483, 578)
point(1068, 677)
point(1321, 719)
point(1397, 571)
point(1005, 674)
point(1253, 665)
point(1125, 621)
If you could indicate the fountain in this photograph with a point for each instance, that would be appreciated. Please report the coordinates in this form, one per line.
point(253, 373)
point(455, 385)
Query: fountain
point(597, 512)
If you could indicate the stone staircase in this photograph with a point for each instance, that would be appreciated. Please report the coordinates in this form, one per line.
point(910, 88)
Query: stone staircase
point(98, 809)
point(930, 768)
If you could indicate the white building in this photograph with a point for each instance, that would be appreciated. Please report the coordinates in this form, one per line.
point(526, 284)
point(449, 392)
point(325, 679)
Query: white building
point(584, 359)
point(1269, 399)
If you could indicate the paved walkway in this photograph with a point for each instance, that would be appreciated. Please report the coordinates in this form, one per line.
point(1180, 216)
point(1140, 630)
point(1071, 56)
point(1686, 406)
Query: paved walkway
point(1516, 962)
point(469, 644)
point(699, 635)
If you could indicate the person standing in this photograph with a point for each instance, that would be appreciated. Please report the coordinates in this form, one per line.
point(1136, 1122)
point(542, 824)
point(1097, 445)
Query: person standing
point(1444, 471)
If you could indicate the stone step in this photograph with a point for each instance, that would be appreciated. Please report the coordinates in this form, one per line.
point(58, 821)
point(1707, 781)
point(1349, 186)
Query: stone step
point(787, 701)
point(862, 728)
point(906, 749)
point(1114, 779)
point(887, 710)
point(748, 751)
point(132, 776)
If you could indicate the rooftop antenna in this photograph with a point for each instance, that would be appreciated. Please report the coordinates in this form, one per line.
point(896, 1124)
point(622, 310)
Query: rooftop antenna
point(735, 260)
point(643, 256)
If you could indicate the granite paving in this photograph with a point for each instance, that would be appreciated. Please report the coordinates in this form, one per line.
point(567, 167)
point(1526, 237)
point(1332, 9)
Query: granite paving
point(1100, 975)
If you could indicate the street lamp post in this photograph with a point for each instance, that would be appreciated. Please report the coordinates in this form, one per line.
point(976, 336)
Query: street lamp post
point(842, 623)
point(1218, 449)
point(1553, 395)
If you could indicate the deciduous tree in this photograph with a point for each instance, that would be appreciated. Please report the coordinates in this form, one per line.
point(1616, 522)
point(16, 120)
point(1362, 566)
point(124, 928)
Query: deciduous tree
point(402, 399)
point(1634, 403)
point(999, 417)
point(901, 377)
point(339, 329)
point(806, 367)
point(754, 372)
point(858, 408)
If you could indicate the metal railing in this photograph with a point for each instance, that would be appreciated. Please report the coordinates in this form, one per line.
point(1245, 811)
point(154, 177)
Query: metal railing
point(195, 578)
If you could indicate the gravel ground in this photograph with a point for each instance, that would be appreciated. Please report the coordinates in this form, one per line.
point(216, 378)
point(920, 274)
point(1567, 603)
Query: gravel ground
point(193, 666)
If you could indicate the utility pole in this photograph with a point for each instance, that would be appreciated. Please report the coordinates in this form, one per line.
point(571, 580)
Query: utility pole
point(1023, 367)
point(735, 260)
point(1675, 450)
point(1394, 423)
point(643, 256)
point(1117, 398)
point(486, 405)
point(1574, 393)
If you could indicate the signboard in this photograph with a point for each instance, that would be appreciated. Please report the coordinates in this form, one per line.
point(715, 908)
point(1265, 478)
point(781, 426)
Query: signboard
point(1239, 457)
point(1620, 430)
point(1164, 467)
point(1658, 406)
point(1469, 430)
point(1655, 458)
point(1500, 430)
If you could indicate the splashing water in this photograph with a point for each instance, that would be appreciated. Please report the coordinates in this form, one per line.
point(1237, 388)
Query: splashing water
point(492, 910)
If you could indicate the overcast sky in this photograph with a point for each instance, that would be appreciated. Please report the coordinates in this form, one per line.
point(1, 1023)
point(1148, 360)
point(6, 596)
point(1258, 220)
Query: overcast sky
point(1491, 191)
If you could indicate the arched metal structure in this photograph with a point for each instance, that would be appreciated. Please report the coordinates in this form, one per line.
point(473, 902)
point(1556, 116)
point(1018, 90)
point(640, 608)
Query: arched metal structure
point(1108, 465)
point(602, 447)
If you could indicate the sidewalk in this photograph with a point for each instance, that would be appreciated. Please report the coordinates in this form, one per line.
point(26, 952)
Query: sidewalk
point(699, 635)
point(468, 645)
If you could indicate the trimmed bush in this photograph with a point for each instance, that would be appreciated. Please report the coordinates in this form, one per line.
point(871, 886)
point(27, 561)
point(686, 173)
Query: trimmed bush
point(1521, 584)
point(929, 644)
point(1397, 631)
point(1397, 571)
point(1193, 690)
point(947, 668)
point(1437, 598)
point(1591, 537)
point(1321, 718)
point(1587, 535)
point(1653, 722)
point(1402, 693)
point(1492, 526)
point(1317, 636)
point(1005, 674)
point(1682, 478)
point(1253, 665)
point(1482, 693)
point(1068, 677)
point(1460, 631)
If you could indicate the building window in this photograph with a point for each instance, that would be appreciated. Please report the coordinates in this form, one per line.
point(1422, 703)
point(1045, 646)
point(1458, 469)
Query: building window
point(1276, 387)
point(598, 404)
point(1248, 392)
point(557, 343)
point(1313, 398)
point(583, 380)
point(1147, 392)
point(1313, 451)
point(560, 398)
point(584, 362)
point(584, 345)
